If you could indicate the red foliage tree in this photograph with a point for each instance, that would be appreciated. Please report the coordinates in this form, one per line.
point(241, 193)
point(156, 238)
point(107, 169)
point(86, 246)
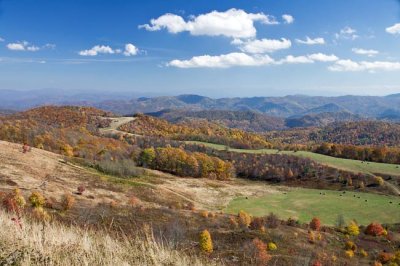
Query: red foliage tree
point(315, 224)
point(374, 229)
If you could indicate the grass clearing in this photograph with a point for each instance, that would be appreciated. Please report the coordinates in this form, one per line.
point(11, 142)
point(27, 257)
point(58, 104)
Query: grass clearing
point(304, 204)
point(340, 163)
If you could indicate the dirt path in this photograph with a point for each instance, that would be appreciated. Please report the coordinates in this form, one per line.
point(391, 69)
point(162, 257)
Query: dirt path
point(116, 123)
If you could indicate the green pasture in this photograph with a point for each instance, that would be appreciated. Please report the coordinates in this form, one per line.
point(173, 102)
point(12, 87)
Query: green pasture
point(304, 204)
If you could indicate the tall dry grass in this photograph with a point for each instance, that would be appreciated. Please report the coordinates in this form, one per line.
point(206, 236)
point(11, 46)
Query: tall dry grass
point(69, 245)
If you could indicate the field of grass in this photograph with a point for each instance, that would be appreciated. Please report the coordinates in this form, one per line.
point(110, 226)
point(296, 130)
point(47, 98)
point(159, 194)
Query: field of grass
point(305, 204)
point(344, 164)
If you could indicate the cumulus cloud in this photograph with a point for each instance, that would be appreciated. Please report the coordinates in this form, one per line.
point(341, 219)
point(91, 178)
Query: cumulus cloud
point(290, 59)
point(347, 33)
point(97, 49)
point(235, 23)
point(243, 59)
point(308, 59)
point(130, 50)
point(223, 61)
point(264, 45)
point(395, 29)
point(22, 46)
point(310, 41)
point(288, 19)
point(369, 53)
point(323, 57)
point(352, 66)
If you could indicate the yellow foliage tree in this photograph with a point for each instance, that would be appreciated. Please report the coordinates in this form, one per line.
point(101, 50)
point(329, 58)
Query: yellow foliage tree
point(353, 229)
point(206, 242)
point(244, 219)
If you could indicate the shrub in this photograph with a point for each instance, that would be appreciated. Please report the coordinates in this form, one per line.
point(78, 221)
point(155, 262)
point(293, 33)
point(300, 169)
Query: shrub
point(397, 257)
point(349, 253)
point(292, 221)
point(317, 263)
point(350, 246)
point(260, 252)
point(272, 246)
point(353, 229)
point(374, 229)
point(311, 237)
point(233, 222)
point(81, 189)
point(385, 257)
point(36, 199)
point(272, 221)
point(190, 206)
point(379, 180)
point(204, 214)
point(257, 223)
point(40, 214)
point(315, 224)
point(363, 253)
point(244, 219)
point(67, 202)
point(205, 242)
point(133, 201)
point(14, 201)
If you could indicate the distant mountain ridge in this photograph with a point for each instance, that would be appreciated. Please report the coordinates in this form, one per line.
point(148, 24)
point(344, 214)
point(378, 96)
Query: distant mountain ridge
point(377, 107)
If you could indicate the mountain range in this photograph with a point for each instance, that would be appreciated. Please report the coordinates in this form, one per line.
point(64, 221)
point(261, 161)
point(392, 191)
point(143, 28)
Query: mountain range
point(292, 106)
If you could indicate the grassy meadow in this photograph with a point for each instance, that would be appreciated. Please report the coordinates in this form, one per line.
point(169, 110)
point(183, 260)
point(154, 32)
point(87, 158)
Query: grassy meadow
point(304, 204)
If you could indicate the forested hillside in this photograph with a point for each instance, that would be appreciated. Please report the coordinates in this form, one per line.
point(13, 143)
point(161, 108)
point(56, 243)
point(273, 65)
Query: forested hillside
point(200, 130)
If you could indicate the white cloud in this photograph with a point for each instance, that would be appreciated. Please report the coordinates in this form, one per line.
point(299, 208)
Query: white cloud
point(395, 29)
point(234, 23)
point(310, 41)
point(347, 33)
point(289, 19)
point(369, 53)
point(16, 46)
point(323, 57)
point(130, 50)
point(351, 66)
point(290, 59)
point(22, 46)
point(264, 45)
point(98, 49)
point(308, 59)
point(223, 61)
point(243, 59)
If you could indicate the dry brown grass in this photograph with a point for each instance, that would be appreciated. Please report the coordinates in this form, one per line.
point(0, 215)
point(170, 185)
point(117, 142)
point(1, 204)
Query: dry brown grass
point(69, 245)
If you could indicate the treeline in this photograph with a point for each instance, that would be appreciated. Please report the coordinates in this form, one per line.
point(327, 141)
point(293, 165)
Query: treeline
point(288, 169)
point(276, 168)
point(197, 131)
point(373, 154)
point(183, 163)
point(373, 133)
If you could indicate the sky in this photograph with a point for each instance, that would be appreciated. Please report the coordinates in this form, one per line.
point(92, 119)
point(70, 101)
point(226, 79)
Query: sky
point(221, 48)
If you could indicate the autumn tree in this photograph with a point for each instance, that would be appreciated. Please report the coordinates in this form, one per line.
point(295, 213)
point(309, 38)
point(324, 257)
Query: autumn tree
point(205, 242)
point(315, 224)
point(374, 229)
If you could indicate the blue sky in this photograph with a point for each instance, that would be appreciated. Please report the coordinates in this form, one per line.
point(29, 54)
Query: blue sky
point(217, 48)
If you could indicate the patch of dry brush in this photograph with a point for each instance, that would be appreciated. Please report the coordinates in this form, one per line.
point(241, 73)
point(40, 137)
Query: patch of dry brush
point(69, 245)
